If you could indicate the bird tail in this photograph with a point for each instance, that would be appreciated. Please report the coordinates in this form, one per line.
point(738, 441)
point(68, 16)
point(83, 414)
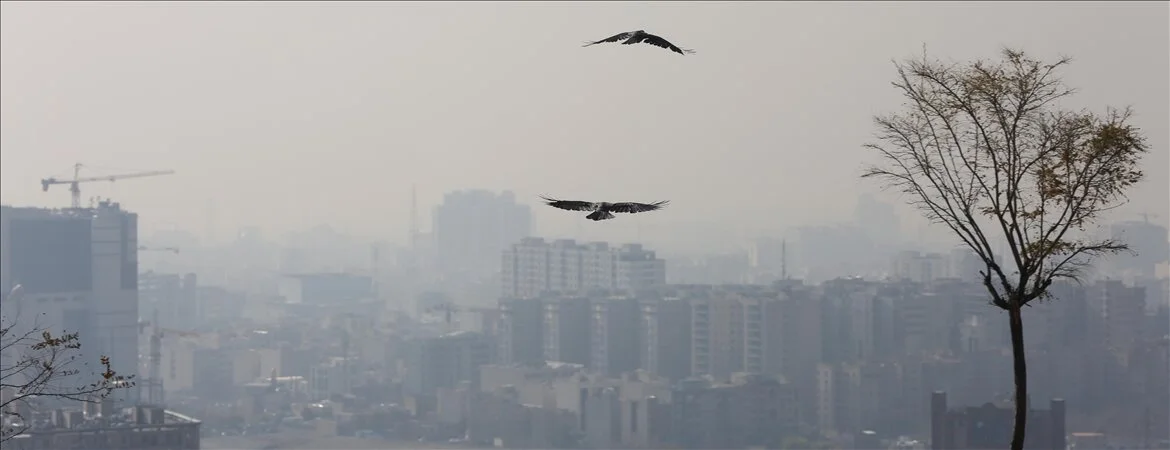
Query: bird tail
point(599, 215)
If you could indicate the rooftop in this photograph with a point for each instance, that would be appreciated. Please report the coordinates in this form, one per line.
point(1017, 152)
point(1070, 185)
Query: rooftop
point(75, 419)
point(40, 212)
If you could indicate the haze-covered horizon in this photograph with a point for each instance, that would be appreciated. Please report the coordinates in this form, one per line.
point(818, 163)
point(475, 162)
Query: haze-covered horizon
point(290, 115)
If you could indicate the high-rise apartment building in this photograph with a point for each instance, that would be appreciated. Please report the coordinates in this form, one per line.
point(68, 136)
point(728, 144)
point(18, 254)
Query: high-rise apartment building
point(567, 329)
point(78, 271)
point(1150, 243)
point(666, 337)
point(446, 361)
point(1119, 313)
point(962, 263)
point(717, 333)
point(1063, 321)
point(472, 227)
point(800, 347)
point(614, 335)
point(534, 267)
point(848, 308)
point(521, 331)
point(749, 329)
point(920, 268)
point(763, 335)
point(749, 412)
point(172, 299)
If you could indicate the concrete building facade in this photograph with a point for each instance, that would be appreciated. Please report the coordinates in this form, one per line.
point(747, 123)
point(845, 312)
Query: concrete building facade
point(568, 329)
point(134, 428)
point(534, 267)
point(445, 361)
point(78, 272)
point(990, 426)
point(666, 337)
point(521, 331)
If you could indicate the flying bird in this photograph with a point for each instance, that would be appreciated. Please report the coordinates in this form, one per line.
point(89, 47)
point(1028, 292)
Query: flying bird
point(604, 210)
point(641, 37)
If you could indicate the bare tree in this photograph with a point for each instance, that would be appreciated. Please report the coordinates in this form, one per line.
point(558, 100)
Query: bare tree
point(39, 365)
point(983, 148)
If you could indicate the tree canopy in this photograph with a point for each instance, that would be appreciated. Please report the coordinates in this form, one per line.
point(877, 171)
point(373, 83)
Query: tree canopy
point(983, 149)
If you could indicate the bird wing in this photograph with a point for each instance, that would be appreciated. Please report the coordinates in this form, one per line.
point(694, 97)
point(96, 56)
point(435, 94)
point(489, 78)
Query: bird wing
point(663, 43)
point(569, 205)
point(614, 38)
point(630, 207)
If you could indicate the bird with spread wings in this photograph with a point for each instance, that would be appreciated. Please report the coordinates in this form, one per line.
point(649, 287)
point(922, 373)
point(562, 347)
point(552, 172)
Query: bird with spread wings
point(641, 37)
point(604, 210)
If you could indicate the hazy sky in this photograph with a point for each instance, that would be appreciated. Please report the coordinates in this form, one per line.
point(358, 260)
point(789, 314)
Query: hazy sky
point(286, 115)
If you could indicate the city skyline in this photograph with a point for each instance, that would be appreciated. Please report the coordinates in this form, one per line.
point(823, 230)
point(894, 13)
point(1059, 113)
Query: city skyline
point(589, 318)
point(320, 225)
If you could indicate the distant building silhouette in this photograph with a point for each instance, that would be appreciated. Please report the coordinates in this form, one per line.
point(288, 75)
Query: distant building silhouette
point(472, 227)
point(445, 361)
point(521, 331)
point(534, 267)
point(989, 426)
point(1149, 242)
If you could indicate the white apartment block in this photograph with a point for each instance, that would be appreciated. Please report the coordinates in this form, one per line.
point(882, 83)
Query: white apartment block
point(755, 329)
point(534, 266)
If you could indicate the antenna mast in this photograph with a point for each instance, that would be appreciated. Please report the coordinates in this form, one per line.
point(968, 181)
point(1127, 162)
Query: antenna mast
point(375, 270)
point(413, 219)
point(783, 259)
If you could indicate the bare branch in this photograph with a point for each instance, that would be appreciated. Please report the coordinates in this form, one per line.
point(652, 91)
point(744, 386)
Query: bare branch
point(980, 141)
point(40, 365)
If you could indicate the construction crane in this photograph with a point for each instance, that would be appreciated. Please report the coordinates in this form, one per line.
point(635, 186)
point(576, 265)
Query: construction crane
point(75, 190)
point(144, 248)
point(154, 385)
point(447, 308)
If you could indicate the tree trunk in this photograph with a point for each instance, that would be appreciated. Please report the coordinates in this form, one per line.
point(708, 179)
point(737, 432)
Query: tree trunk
point(1020, 369)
